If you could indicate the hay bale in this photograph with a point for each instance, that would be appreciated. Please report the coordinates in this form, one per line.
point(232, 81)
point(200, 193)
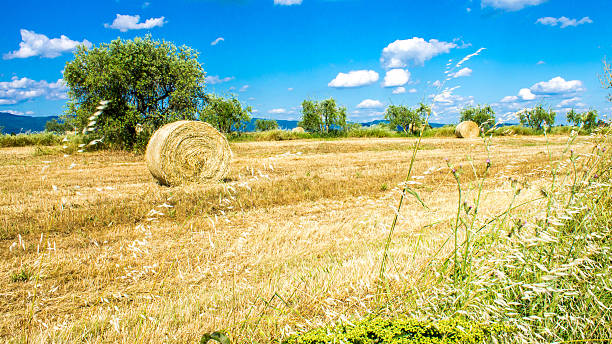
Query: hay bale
point(467, 129)
point(298, 130)
point(187, 151)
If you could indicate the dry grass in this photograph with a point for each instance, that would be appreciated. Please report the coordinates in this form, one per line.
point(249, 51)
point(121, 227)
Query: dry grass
point(291, 240)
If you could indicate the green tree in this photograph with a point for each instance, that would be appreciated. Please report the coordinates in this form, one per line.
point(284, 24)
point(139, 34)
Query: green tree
point(587, 119)
point(147, 82)
point(226, 115)
point(321, 117)
point(484, 115)
point(311, 119)
point(573, 117)
point(265, 124)
point(55, 126)
point(536, 116)
point(403, 117)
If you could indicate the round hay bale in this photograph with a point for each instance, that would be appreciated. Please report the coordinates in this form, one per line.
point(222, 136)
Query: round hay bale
point(188, 151)
point(467, 129)
point(298, 130)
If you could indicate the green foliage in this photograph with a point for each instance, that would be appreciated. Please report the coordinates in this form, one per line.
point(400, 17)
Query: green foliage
point(321, 117)
point(404, 117)
point(216, 336)
point(402, 330)
point(147, 82)
point(445, 131)
point(58, 127)
point(375, 130)
point(484, 115)
point(22, 275)
point(265, 124)
point(22, 140)
point(536, 116)
point(227, 115)
point(586, 120)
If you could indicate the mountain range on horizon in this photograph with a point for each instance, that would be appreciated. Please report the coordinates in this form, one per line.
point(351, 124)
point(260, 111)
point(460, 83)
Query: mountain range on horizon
point(16, 124)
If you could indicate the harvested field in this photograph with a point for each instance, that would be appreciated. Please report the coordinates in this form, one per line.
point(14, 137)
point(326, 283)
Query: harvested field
point(292, 239)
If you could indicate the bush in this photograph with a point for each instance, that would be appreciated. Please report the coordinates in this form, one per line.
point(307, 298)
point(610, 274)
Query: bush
point(401, 330)
point(265, 124)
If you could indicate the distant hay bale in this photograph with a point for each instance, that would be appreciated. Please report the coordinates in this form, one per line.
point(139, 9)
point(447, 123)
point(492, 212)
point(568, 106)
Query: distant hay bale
point(187, 151)
point(298, 130)
point(467, 129)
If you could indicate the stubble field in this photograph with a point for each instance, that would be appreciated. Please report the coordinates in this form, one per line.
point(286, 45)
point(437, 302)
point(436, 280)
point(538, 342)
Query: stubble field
point(92, 249)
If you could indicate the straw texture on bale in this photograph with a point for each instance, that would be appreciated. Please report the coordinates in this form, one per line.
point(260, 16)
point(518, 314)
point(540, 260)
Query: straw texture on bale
point(467, 129)
point(297, 130)
point(188, 151)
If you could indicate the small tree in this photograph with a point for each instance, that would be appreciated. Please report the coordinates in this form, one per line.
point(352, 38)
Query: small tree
point(147, 82)
point(536, 116)
point(573, 117)
point(226, 115)
point(321, 117)
point(424, 112)
point(55, 126)
point(587, 119)
point(484, 116)
point(265, 124)
point(403, 117)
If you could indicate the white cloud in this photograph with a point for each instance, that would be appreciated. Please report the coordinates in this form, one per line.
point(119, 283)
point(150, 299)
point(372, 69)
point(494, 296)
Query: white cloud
point(510, 5)
point(20, 90)
point(287, 2)
point(35, 44)
point(568, 102)
point(396, 77)
point(290, 89)
point(412, 90)
point(563, 21)
point(447, 97)
point(462, 72)
point(146, 4)
point(437, 83)
point(354, 78)
point(215, 79)
point(18, 113)
point(399, 90)
point(509, 99)
point(557, 85)
point(554, 87)
point(370, 104)
point(526, 94)
point(416, 50)
point(216, 41)
point(278, 111)
point(541, 62)
point(244, 88)
point(127, 22)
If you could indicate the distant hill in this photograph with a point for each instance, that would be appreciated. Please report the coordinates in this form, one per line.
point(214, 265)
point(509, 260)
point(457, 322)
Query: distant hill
point(21, 124)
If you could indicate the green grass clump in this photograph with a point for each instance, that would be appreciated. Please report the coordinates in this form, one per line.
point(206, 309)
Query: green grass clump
point(22, 140)
point(373, 131)
point(22, 275)
point(445, 131)
point(402, 330)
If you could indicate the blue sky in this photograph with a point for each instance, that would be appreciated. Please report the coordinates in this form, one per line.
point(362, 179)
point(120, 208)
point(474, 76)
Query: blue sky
point(366, 54)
